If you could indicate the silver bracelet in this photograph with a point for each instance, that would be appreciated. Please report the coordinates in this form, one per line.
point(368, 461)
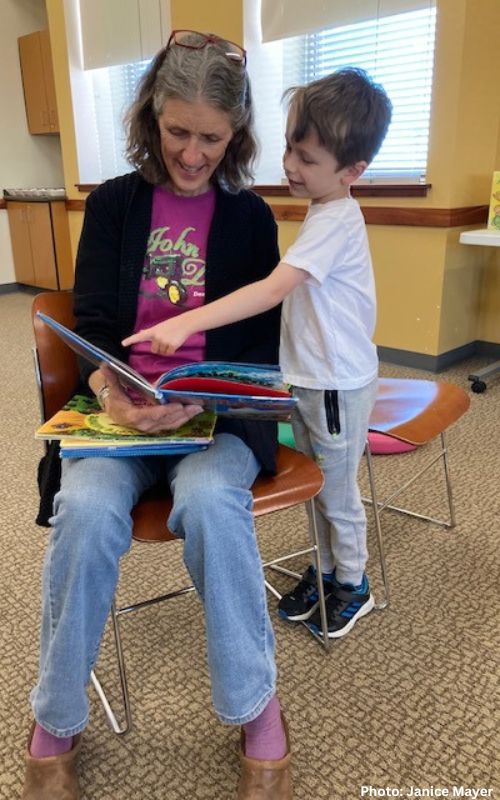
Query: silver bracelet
point(101, 395)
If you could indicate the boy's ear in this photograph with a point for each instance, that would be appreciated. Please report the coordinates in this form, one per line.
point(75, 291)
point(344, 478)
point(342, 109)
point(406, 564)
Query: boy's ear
point(354, 172)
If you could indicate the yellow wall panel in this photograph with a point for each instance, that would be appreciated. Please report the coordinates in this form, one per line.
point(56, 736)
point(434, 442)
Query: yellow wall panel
point(408, 273)
point(488, 328)
point(224, 17)
point(57, 28)
point(461, 284)
point(75, 220)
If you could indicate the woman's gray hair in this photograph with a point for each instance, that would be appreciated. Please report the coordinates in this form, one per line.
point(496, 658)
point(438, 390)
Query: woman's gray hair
point(207, 74)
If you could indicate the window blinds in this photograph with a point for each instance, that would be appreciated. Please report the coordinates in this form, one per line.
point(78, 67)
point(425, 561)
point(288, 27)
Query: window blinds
point(398, 52)
point(114, 89)
point(281, 19)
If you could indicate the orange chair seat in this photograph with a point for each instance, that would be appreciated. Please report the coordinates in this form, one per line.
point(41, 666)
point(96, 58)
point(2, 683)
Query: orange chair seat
point(297, 479)
point(416, 411)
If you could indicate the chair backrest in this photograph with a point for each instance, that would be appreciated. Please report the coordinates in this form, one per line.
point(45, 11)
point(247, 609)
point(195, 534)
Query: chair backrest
point(57, 364)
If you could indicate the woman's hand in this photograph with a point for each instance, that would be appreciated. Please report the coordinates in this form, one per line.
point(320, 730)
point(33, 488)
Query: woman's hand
point(145, 418)
point(165, 338)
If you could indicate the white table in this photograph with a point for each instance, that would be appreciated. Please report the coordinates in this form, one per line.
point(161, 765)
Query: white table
point(488, 238)
point(483, 237)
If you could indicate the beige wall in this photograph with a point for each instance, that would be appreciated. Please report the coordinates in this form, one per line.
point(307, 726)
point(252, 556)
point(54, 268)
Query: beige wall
point(434, 294)
point(25, 160)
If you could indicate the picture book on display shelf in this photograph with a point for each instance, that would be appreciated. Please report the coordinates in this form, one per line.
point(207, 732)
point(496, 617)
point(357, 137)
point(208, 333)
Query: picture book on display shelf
point(230, 389)
point(84, 430)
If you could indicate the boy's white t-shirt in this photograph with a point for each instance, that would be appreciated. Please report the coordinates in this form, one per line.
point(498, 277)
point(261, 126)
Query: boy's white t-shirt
point(328, 321)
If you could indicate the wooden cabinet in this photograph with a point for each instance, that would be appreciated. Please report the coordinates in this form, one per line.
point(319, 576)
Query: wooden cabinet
point(41, 245)
point(38, 82)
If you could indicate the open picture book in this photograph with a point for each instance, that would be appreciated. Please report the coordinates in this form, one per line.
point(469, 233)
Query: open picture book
point(230, 389)
point(84, 430)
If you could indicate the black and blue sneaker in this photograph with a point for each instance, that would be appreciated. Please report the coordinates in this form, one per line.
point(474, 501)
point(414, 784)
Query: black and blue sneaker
point(345, 604)
point(302, 601)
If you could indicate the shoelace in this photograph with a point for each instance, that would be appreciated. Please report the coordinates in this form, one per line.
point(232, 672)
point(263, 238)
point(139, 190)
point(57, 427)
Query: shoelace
point(305, 588)
point(334, 603)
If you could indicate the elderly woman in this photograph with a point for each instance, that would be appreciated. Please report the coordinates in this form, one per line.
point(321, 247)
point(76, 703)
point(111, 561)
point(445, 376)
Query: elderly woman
point(175, 233)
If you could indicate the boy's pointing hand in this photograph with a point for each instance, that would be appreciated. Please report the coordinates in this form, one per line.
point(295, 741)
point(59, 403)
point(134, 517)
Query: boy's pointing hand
point(165, 338)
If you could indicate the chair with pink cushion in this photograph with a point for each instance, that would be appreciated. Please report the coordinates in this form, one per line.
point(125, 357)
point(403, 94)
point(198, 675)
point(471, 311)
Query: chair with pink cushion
point(409, 414)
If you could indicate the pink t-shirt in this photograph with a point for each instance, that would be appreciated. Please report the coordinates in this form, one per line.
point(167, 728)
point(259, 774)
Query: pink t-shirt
point(173, 276)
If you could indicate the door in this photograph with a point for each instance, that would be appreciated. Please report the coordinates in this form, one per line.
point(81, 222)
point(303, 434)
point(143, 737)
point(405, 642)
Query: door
point(35, 97)
point(42, 245)
point(48, 74)
point(20, 239)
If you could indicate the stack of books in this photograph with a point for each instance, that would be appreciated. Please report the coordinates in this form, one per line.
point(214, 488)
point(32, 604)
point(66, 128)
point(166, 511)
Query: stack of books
point(250, 391)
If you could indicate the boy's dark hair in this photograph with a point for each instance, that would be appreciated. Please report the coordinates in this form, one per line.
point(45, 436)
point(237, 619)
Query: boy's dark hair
point(349, 112)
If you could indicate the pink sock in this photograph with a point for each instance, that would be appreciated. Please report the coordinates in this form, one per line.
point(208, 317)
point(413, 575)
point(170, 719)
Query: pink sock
point(44, 744)
point(265, 737)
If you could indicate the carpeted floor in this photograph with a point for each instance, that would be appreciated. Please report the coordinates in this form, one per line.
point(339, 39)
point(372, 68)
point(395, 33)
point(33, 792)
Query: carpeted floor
point(406, 700)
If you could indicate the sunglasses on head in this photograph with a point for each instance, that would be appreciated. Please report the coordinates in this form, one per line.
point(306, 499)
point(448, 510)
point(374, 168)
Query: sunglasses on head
point(238, 55)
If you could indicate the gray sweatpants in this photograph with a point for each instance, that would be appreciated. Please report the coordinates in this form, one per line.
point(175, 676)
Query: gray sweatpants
point(332, 427)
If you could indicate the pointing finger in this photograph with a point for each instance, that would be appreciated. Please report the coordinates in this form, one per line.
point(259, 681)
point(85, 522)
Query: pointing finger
point(141, 336)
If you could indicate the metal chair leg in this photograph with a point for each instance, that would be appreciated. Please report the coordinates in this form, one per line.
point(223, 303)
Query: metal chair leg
point(378, 529)
point(325, 641)
point(446, 465)
point(275, 565)
point(379, 506)
point(116, 726)
point(387, 504)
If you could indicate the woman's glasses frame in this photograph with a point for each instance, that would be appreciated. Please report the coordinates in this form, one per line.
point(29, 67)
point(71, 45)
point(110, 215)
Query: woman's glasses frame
point(238, 56)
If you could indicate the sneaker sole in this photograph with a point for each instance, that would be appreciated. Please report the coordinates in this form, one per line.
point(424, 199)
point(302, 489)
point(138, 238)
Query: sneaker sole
point(363, 611)
point(298, 617)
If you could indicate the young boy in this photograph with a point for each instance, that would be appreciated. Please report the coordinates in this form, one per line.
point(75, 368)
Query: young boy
point(335, 128)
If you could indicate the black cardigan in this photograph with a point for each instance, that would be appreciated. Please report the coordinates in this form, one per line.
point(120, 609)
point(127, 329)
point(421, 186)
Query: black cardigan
point(242, 248)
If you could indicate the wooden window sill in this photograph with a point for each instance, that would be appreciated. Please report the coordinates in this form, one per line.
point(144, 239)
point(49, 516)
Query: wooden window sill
point(374, 215)
point(362, 190)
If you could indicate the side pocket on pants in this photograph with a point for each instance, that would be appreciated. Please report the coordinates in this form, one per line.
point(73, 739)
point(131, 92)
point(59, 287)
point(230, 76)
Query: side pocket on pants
point(331, 399)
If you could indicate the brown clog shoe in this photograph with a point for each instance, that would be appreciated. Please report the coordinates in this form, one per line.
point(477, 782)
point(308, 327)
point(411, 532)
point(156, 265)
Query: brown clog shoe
point(265, 780)
point(54, 777)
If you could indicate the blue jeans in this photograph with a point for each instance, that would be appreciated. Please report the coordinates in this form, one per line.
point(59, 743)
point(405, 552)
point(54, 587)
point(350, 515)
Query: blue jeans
point(92, 529)
point(340, 514)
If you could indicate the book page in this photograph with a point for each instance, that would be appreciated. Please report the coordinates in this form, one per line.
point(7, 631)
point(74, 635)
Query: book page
point(96, 356)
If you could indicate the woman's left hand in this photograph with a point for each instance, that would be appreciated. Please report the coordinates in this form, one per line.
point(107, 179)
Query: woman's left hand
point(152, 418)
